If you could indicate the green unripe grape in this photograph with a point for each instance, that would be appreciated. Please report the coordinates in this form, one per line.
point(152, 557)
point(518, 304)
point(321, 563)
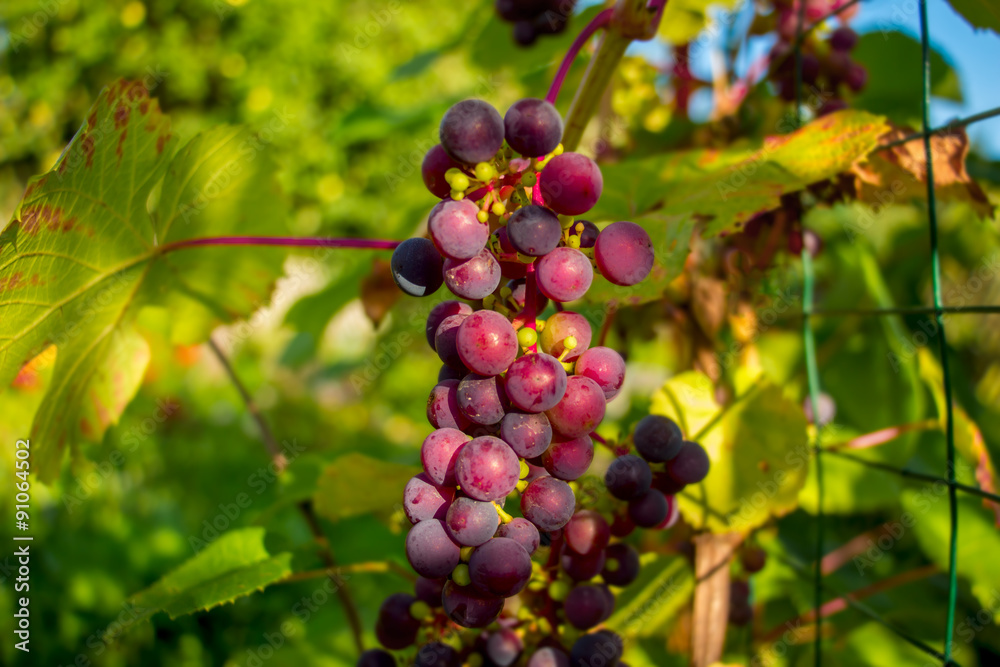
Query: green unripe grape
point(474, 660)
point(485, 172)
point(558, 590)
point(611, 565)
point(570, 342)
point(539, 325)
point(529, 178)
point(544, 625)
point(461, 575)
point(573, 241)
point(537, 586)
point(558, 151)
point(488, 301)
point(524, 470)
point(504, 517)
point(459, 181)
point(466, 553)
point(499, 208)
point(483, 216)
point(457, 195)
point(566, 221)
point(420, 610)
point(526, 337)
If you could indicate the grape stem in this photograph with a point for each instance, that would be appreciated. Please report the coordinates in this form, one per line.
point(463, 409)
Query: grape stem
point(530, 298)
point(600, 21)
point(374, 244)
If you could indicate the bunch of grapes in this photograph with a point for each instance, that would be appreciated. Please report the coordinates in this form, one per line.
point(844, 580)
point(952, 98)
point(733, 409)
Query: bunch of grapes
point(516, 402)
point(533, 18)
point(827, 67)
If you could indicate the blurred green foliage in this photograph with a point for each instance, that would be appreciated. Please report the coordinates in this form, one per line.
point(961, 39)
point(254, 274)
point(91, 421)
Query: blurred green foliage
point(358, 88)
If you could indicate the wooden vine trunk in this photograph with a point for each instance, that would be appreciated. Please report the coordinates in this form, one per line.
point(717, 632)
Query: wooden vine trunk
point(712, 555)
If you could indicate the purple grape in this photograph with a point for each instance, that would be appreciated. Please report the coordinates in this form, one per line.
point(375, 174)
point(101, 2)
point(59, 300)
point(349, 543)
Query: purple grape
point(691, 464)
point(396, 628)
point(605, 367)
point(649, 509)
point(439, 313)
point(376, 657)
point(519, 294)
point(571, 183)
point(582, 568)
point(657, 438)
point(436, 163)
point(624, 253)
point(627, 477)
point(569, 459)
point(601, 647)
point(622, 526)
point(487, 343)
point(487, 469)
point(525, 33)
point(536, 382)
point(581, 409)
point(548, 657)
point(856, 77)
point(473, 278)
point(753, 558)
point(471, 522)
point(666, 484)
point(561, 326)
point(625, 568)
point(423, 499)
point(534, 230)
point(429, 590)
point(437, 654)
point(469, 606)
point(455, 229)
point(503, 648)
point(586, 533)
point(482, 399)
point(439, 452)
point(565, 274)
point(500, 567)
point(587, 231)
point(416, 267)
point(449, 373)
point(517, 10)
point(472, 131)
point(843, 39)
point(446, 340)
point(548, 503)
point(429, 549)
point(586, 606)
point(523, 532)
point(529, 435)
point(533, 127)
point(442, 406)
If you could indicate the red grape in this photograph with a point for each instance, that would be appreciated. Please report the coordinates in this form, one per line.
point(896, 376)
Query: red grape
point(439, 313)
point(586, 533)
point(581, 409)
point(442, 406)
point(439, 452)
point(471, 522)
point(431, 552)
point(473, 278)
point(533, 127)
point(446, 340)
point(487, 343)
point(571, 183)
point(565, 274)
point(482, 399)
point(396, 628)
point(548, 503)
point(529, 435)
point(469, 606)
point(624, 253)
point(423, 499)
point(500, 567)
point(435, 163)
point(455, 229)
point(487, 469)
point(569, 459)
point(521, 531)
point(536, 382)
point(561, 326)
point(472, 131)
point(605, 367)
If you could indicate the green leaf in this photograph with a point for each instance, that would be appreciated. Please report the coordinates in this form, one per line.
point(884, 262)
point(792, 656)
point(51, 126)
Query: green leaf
point(757, 447)
point(980, 14)
point(650, 603)
point(356, 484)
point(82, 255)
point(895, 75)
point(728, 187)
point(684, 19)
point(234, 565)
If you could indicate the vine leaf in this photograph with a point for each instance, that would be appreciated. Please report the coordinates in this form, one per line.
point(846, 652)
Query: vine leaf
point(900, 173)
point(980, 14)
point(84, 252)
point(683, 20)
point(234, 565)
point(355, 484)
point(729, 187)
point(757, 447)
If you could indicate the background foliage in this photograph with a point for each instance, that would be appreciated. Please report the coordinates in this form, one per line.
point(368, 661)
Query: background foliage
point(345, 97)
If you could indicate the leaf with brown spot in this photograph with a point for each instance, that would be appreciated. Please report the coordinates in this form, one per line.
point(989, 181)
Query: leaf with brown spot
point(82, 255)
point(899, 174)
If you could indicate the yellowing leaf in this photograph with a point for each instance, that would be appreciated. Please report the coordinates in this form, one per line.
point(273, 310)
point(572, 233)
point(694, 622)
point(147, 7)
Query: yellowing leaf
point(83, 254)
point(757, 447)
point(899, 174)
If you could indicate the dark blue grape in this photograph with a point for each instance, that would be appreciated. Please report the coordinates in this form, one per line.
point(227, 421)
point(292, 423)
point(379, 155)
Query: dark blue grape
point(601, 647)
point(534, 230)
point(416, 267)
point(621, 566)
point(437, 654)
point(657, 438)
point(470, 607)
point(627, 477)
point(376, 657)
point(533, 127)
point(472, 131)
point(396, 628)
point(586, 606)
point(691, 464)
point(649, 510)
point(500, 567)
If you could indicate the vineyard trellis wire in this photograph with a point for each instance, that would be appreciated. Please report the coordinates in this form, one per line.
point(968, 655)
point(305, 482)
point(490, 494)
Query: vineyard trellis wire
point(938, 310)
